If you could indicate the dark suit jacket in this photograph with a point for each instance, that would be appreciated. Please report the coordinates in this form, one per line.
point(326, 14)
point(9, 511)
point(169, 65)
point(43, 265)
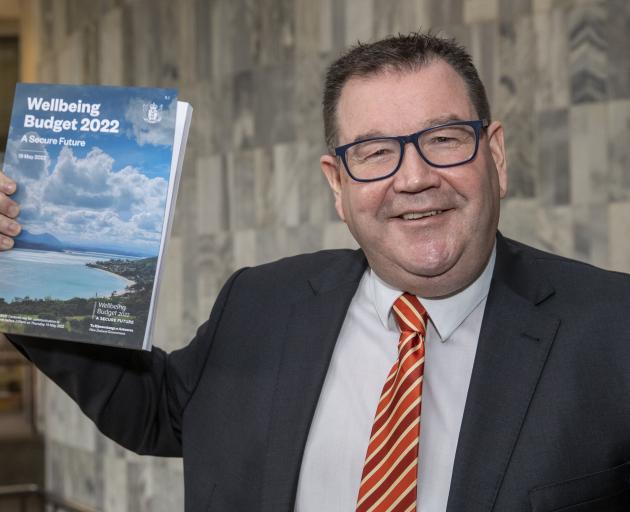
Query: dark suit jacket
point(547, 420)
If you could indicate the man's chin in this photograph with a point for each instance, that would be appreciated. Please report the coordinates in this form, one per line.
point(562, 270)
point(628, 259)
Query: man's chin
point(428, 276)
point(422, 279)
point(428, 267)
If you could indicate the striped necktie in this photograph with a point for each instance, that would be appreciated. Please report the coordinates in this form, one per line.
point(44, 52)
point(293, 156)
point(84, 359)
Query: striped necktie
point(390, 471)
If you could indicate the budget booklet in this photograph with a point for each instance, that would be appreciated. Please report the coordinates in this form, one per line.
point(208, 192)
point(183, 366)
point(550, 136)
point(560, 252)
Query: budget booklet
point(97, 170)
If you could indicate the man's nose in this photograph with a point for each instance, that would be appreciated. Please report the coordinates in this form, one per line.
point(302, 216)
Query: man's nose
point(415, 174)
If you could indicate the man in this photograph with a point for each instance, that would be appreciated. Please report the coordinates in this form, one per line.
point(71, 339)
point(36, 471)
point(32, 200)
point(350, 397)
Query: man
point(303, 391)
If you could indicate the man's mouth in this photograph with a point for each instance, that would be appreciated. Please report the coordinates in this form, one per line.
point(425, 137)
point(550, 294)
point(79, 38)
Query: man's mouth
point(420, 215)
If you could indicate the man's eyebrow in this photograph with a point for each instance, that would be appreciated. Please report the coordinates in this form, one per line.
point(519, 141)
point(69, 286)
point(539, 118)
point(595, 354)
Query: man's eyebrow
point(428, 123)
point(447, 118)
point(370, 135)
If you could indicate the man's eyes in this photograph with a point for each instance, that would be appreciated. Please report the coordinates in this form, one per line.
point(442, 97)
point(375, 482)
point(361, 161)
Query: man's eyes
point(374, 150)
point(449, 136)
point(377, 152)
point(443, 140)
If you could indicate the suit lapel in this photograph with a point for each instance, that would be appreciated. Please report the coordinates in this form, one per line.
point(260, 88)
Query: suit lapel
point(514, 343)
point(312, 331)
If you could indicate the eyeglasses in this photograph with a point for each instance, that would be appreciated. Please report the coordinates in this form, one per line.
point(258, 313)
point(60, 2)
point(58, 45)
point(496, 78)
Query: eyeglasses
point(446, 145)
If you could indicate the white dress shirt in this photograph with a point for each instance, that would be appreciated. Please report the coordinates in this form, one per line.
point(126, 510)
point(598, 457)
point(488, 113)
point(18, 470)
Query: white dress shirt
point(365, 351)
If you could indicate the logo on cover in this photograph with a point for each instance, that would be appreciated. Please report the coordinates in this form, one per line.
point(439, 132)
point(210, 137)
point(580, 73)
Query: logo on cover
point(152, 113)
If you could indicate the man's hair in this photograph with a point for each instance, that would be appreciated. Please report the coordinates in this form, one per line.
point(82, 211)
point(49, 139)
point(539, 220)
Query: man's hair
point(398, 53)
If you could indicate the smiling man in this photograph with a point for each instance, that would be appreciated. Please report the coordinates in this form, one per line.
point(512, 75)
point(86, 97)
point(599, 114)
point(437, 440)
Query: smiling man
point(440, 367)
point(424, 229)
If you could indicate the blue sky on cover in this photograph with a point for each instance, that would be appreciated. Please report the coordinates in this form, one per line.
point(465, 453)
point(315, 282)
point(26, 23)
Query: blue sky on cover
point(112, 191)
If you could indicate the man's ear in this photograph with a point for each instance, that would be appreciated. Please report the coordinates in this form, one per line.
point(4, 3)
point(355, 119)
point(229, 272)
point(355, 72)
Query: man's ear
point(497, 150)
point(332, 170)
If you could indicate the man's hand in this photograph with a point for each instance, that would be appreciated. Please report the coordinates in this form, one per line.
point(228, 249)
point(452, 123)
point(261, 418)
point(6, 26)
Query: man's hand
point(8, 212)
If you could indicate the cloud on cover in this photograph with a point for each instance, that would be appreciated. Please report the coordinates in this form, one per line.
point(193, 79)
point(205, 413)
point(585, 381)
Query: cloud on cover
point(85, 200)
point(23, 169)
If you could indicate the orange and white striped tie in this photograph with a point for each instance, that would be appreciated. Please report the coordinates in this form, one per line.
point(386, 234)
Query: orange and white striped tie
point(390, 472)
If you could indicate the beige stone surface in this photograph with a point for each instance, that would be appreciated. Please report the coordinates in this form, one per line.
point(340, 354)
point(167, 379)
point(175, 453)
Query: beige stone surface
point(70, 60)
point(480, 10)
point(619, 236)
point(110, 55)
point(588, 151)
point(115, 484)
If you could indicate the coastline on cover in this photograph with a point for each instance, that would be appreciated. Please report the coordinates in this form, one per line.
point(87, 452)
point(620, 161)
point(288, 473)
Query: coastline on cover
point(96, 176)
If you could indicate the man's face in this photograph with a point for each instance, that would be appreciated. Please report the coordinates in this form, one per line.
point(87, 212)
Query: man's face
point(433, 255)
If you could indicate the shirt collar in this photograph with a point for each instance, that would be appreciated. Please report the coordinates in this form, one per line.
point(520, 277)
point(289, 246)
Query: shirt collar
point(446, 314)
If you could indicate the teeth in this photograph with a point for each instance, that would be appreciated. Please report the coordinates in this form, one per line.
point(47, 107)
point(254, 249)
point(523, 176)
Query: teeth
point(417, 215)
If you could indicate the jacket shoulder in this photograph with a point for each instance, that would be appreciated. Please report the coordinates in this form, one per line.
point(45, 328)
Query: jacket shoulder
point(295, 275)
point(577, 278)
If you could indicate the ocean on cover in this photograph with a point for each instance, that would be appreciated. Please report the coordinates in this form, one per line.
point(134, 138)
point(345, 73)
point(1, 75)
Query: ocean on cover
point(93, 165)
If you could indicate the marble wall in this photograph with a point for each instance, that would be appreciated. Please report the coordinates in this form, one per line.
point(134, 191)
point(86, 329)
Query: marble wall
point(558, 75)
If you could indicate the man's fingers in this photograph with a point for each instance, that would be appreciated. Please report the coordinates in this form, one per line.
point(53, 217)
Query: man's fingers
point(5, 243)
point(7, 185)
point(9, 227)
point(9, 209)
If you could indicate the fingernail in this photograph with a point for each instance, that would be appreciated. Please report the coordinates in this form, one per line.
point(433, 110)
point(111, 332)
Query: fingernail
point(13, 211)
point(14, 227)
point(9, 187)
point(7, 243)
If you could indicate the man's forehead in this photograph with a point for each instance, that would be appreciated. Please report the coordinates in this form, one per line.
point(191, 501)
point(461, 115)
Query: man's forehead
point(407, 99)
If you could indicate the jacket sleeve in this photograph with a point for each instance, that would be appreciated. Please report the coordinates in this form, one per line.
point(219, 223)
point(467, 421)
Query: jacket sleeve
point(136, 398)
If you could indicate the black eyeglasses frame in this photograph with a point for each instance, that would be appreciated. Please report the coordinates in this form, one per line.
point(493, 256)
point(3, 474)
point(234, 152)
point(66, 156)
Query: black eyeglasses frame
point(413, 138)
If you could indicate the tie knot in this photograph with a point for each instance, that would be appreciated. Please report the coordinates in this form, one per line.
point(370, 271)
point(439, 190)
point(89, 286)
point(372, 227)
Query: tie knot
point(410, 315)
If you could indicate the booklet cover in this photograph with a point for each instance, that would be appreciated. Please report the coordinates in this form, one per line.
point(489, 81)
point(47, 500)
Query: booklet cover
point(97, 169)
